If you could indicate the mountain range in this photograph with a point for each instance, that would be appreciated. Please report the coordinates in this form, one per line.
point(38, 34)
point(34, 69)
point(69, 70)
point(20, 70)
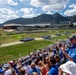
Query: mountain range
point(43, 18)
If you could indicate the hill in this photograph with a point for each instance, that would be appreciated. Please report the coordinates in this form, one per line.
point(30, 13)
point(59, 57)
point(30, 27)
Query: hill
point(72, 18)
point(43, 18)
point(57, 17)
point(1, 25)
point(39, 19)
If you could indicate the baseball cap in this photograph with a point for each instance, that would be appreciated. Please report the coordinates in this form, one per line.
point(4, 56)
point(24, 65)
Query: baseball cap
point(69, 67)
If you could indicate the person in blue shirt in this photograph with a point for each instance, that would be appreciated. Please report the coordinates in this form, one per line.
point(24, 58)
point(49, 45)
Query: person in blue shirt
point(34, 68)
point(58, 51)
point(1, 71)
point(53, 68)
point(71, 52)
point(57, 58)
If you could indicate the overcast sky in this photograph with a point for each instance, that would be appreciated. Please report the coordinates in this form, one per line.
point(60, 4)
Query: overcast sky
point(11, 9)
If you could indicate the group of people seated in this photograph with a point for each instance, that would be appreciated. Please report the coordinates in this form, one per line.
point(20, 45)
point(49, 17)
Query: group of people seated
point(57, 59)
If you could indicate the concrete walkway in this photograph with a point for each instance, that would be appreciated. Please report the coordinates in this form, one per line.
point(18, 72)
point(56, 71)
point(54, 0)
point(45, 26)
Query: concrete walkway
point(12, 43)
point(17, 42)
point(39, 38)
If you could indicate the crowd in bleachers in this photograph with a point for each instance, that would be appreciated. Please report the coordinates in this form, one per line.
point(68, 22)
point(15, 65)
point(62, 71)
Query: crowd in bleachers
point(57, 59)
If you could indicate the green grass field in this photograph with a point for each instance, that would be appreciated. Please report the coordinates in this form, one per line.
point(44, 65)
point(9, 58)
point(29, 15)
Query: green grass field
point(5, 38)
point(13, 52)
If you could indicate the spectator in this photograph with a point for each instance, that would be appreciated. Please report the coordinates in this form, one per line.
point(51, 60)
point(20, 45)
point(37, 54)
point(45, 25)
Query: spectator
point(34, 68)
point(22, 71)
point(46, 60)
point(53, 68)
point(8, 72)
point(13, 72)
point(1, 72)
point(69, 68)
point(71, 52)
point(15, 68)
point(26, 66)
point(49, 57)
point(34, 73)
point(58, 49)
point(6, 67)
point(46, 63)
point(42, 67)
point(57, 58)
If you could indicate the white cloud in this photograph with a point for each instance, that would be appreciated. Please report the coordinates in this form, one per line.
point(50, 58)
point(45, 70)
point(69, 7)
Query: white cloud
point(25, 2)
point(28, 12)
point(49, 12)
point(54, 5)
point(71, 11)
point(7, 14)
point(37, 3)
point(17, 12)
point(11, 2)
point(6, 11)
point(72, 6)
point(28, 15)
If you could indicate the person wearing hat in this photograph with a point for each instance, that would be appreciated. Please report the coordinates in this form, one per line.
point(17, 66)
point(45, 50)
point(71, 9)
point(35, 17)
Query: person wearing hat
point(71, 52)
point(69, 68)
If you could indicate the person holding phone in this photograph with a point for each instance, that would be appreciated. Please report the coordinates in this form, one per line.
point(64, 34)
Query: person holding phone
point(71, 52)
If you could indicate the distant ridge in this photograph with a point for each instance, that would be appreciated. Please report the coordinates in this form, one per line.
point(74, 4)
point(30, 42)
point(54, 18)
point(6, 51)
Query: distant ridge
point(57, 17)
point(43, 18)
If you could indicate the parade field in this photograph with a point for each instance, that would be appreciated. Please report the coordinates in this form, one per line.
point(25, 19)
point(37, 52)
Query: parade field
point(17, 50)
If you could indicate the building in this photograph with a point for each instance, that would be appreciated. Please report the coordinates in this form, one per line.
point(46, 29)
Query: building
point(25, 26)
point(54, 25)
point(64, 23)
point(11, 26)
point(74, 24)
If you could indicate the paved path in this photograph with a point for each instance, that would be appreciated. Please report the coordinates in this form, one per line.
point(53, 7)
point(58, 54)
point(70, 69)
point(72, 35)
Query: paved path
point(39, 38)
point(12, 43)
point(17, 42)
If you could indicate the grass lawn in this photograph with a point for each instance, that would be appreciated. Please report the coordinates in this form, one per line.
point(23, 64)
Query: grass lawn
point(13, 52)
point(5, 38)
point(62, 36)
